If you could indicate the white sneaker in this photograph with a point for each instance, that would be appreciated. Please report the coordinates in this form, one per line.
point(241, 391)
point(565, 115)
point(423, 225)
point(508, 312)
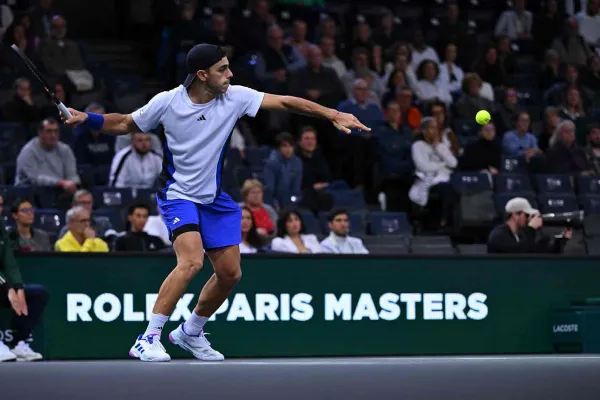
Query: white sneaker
point(25, 353)
point(197, 345)
point(149, 348)
point(6, 354)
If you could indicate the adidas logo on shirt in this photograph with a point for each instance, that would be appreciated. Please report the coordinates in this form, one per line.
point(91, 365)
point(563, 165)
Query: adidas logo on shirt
point(176, 220)
point(201, 118)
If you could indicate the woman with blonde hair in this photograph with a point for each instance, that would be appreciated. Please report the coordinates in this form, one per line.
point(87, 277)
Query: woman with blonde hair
point(264, 215)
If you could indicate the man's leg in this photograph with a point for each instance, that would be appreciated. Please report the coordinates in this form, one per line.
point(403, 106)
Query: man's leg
point(36, 297)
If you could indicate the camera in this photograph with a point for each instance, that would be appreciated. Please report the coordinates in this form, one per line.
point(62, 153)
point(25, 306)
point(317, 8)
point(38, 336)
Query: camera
point(568, 219)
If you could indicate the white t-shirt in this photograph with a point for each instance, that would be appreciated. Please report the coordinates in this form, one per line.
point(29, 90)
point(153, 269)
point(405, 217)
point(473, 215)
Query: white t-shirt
point(196, 137)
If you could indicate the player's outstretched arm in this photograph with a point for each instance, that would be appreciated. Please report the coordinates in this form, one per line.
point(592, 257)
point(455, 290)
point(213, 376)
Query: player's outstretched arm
point(116, 124)
point(343, 121)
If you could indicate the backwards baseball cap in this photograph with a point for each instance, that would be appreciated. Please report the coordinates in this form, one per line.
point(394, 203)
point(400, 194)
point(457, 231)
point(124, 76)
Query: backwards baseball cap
point(201, 57)
point(519, 204)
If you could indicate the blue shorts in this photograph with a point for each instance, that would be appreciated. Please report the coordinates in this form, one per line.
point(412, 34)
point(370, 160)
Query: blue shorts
point(219, 223)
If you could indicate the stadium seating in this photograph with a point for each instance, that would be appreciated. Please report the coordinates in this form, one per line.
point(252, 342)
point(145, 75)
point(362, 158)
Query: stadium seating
point(557, 203)
point(554, 184)
point(387, 223)
point(50, 221)
point(110, 197)
point(470, 182)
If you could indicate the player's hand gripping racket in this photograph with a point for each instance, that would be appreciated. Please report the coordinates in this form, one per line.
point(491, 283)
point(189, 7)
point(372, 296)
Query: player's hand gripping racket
point(61, 107)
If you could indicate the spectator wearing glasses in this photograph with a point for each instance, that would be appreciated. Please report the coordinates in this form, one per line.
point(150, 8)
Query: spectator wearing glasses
point(292, 237)
point(25, 238)
point(338, 241)
point(80, 236)
point(137, 239)
point(99, 223)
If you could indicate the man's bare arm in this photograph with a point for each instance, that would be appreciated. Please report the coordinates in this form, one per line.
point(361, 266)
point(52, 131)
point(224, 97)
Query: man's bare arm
point(115, 124)
point(343, 121)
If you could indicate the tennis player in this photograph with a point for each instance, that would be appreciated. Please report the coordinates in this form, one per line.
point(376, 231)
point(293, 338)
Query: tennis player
point(198, 118)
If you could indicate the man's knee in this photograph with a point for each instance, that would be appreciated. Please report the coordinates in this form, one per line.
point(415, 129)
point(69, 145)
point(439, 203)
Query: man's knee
point(190, 266)
point(230, 276)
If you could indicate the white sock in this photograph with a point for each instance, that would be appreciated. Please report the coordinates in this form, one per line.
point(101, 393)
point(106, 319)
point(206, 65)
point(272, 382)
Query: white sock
point(155, 326)
point(194, 324)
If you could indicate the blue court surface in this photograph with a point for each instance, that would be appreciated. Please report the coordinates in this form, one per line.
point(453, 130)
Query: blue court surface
point(478, 377)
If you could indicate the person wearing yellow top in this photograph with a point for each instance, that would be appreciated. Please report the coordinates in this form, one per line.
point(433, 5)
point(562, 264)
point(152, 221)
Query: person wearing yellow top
point(80, 237)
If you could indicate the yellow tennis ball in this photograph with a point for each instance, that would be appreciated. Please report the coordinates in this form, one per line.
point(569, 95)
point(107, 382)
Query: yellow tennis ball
point(483, 117)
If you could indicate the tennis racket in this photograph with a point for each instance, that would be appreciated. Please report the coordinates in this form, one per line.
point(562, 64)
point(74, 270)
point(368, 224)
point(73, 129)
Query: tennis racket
point(61, 107)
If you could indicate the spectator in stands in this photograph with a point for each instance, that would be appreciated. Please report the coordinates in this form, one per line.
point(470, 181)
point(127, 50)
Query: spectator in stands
point(490, 69)
point(155, 226)
point(277, 61)
point(558, 93)
point(592, 150)
point(251, 240)
point(21, 108)
point(328, 28)
point(50, 110)
point(549, 124)
point(451, 75)
point(402, 63)
point(254, 28)
point(99, 223)
point(551, 73)
point(17, 34)
point(283, 171)
point(291, 235)
point(471, 102)
point(506, 57)
point(316, 82)
point(387, 35)
point(591, 79)
point(358, 105)
point(360, 68)
point(315, 170)
point(507, 112)
point(563, 155)
point(25, 238)
point(434, 163)
point(338, 241)
point(136, 239)
point(521, 232)
point(484, 154)
point(572, 48)
point(330, 58)
point(516, 23)
point(57, 53)
point(136, 166)
point(221, 35)
point(92, 147)
point(421, 51)
point(396, 83)
point(298, 38)
point(80, 236)
point(431, 89)
point(548, 25)
point(46, 161)
point(123, 141)
point(439, 111)
point(27, 302)
point(572, 107)
point(410, 116)
point(264, 215)
point(362, 40)
point(520, 142)
point(589, 23)
point(41, 15)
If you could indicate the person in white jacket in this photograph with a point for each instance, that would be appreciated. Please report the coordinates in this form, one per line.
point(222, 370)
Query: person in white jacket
point(137, 165)
point(434, 163)
point(292, 237)
point(338, 241)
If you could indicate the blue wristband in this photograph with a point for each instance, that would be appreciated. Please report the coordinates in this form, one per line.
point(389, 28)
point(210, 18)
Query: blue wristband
point(94, 121)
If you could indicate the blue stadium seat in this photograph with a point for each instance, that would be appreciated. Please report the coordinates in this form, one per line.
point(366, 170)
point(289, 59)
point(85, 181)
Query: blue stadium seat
point(590, 204)
point(112, 197)
point(309, 221)
point(556, 203)
point(357, 223)
point(50, 221)
point(388, 223)
point(588, 185)
point(351, 199)
point(147, 196)
point(501, 199)
point(338, 184)
point(512, 183)
point(470, 182)
point(554, 184)
point(513, 165)
point(113, 215)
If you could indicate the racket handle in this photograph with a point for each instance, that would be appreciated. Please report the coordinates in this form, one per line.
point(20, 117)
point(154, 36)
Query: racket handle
point(63, 110)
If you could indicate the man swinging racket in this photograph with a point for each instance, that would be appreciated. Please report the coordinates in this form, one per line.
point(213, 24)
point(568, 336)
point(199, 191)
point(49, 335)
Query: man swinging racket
point(198, 118)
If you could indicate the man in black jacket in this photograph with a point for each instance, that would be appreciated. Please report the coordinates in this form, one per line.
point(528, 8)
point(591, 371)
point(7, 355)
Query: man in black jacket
point(521, 232)
point(136, 239)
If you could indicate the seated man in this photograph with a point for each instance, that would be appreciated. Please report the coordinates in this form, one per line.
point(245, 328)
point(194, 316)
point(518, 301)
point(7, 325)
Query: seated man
point(136, 166)
point(283, 171)
point(100, 224)
point(338, 241)
point(46, 161)
point(80, 237)
point(137, 239)
point(27, 302)
point(564, 155)
point(26, 238)
point(520, 142)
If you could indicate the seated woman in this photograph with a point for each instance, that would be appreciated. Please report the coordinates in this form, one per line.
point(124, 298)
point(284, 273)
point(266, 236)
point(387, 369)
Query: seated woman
point(292, 238)
point(251, 241)
point(430, 88)
point(264, 215)
point(434, 163)
point(472, 101)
